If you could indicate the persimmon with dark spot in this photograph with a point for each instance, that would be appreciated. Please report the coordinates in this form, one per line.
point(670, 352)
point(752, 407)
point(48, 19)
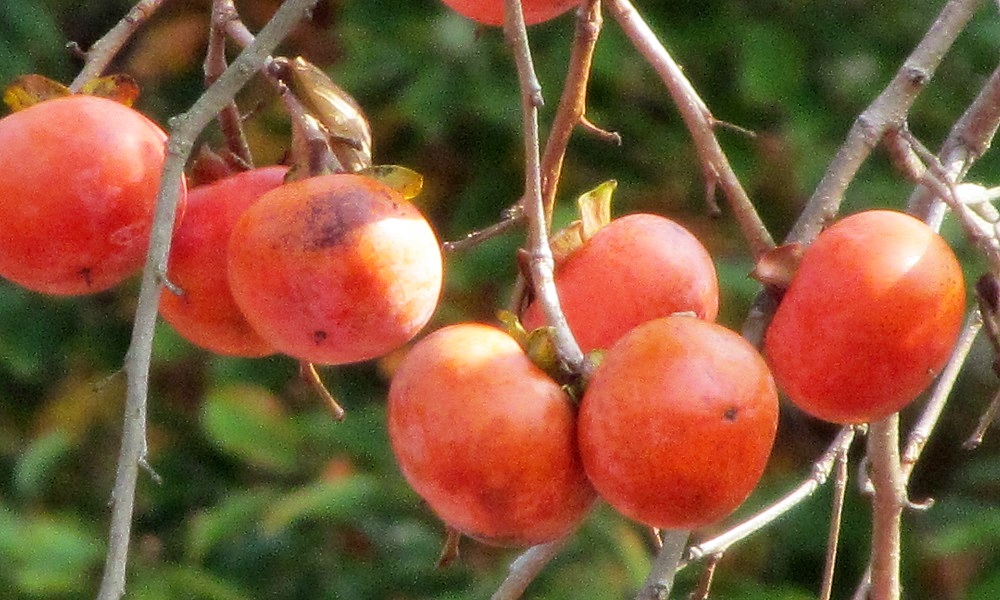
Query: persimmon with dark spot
point(869, 319)
point(491, 12)
point(205, 312)
point(335, 269)
point(637, 268)
point(487, 438)
point(677, 423)
point(79, 177)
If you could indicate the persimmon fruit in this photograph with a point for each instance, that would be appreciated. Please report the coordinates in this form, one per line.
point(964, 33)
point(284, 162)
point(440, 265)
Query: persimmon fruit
point(491, 12)
point(78, 182)
point(677, 422)
point(486, 438)
point(205, 313)
point(335, 269)
point(869, 319)
point(637, 268)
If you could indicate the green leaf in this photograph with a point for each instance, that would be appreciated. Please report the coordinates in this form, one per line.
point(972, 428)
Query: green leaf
point(249, 424)
point(234, 516)
point(34, 469)
point(342, 499)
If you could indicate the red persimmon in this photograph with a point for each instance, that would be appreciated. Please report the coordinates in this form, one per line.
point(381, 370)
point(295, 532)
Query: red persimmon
point(637, 268)
point(335, 269)
point(78, 182)
point(869, 318)
point(677, 423)
point(205, 313)
point(486, 438)
point(491, 12)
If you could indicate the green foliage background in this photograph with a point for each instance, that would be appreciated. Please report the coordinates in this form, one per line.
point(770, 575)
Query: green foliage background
point(263, 496)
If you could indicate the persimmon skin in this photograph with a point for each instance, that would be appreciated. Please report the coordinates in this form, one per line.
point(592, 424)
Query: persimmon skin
point(869, 318)
point(335, 269)
point(78, 182)
point(637, 268)
point(486, 438)
point(491, 12)
point(206, 313)
point(677, 423)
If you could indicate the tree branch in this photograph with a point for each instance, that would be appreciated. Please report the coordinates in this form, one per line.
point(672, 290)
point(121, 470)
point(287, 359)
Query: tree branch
point(887, 507)
point(184, 130)
point(888, 110)
point(699, 122)
point(540, 254)
point(100, 54)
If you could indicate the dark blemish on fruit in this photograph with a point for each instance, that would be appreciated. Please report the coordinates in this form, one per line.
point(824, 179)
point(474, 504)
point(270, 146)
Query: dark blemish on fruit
point(730, 414)
point(319, 336)
point(85, 274)
point(331, 217)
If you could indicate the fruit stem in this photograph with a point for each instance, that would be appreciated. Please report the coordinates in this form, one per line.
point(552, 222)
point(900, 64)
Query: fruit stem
point(526, 568)
point(661, 575)
point(308, 372)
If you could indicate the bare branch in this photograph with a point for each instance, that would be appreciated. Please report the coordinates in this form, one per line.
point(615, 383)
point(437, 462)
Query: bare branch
point(184, 130)
point(660, 580)
point(104, 50)
point(836, 516)
point(526, 568)
point(541, 263)
point(969, 139)
point(921, 432)
point(573, 102)
point(887, 110)
point(887, 507)
point(230, 121)
point(699, 121)
point(820, 472)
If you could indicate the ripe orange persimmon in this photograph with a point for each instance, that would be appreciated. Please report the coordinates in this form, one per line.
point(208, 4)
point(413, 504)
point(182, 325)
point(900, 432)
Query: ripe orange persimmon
point(206, 313)
point(677, 423)
point(486, 438)
point(78, 182)
point(637, 268)
point(491, 12)
point(335, 269)
point(869, 319)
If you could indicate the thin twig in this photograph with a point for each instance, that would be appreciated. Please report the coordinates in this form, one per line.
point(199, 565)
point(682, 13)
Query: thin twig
point(540, 254)
point(100, 54)
point(836, 516)
point(969, 139)
point(887, 508)
point(526, 568)
point(699, 121)
point(184, 130)
point(660, 580)
point(985, 420)
point(230, 121)
point(573, 101)
point(921, 432)
point(705, 584)
point(887, 111)
point(820, 473)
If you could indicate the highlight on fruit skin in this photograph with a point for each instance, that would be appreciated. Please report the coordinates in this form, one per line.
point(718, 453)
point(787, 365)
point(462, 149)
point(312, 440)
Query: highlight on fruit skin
point(491, 12)
point(636, 268)
point(869, 320)
point(79, 177)
point(486, 438)
point(205, 312)
point(335, 269)
point(677, 423)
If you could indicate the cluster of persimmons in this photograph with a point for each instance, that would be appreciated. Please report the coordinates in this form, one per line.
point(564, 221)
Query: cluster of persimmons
point(673, 425)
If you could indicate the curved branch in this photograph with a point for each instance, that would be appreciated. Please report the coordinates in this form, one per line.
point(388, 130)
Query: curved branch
point(699, 122)
point(104, 50)
point(184, 130)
